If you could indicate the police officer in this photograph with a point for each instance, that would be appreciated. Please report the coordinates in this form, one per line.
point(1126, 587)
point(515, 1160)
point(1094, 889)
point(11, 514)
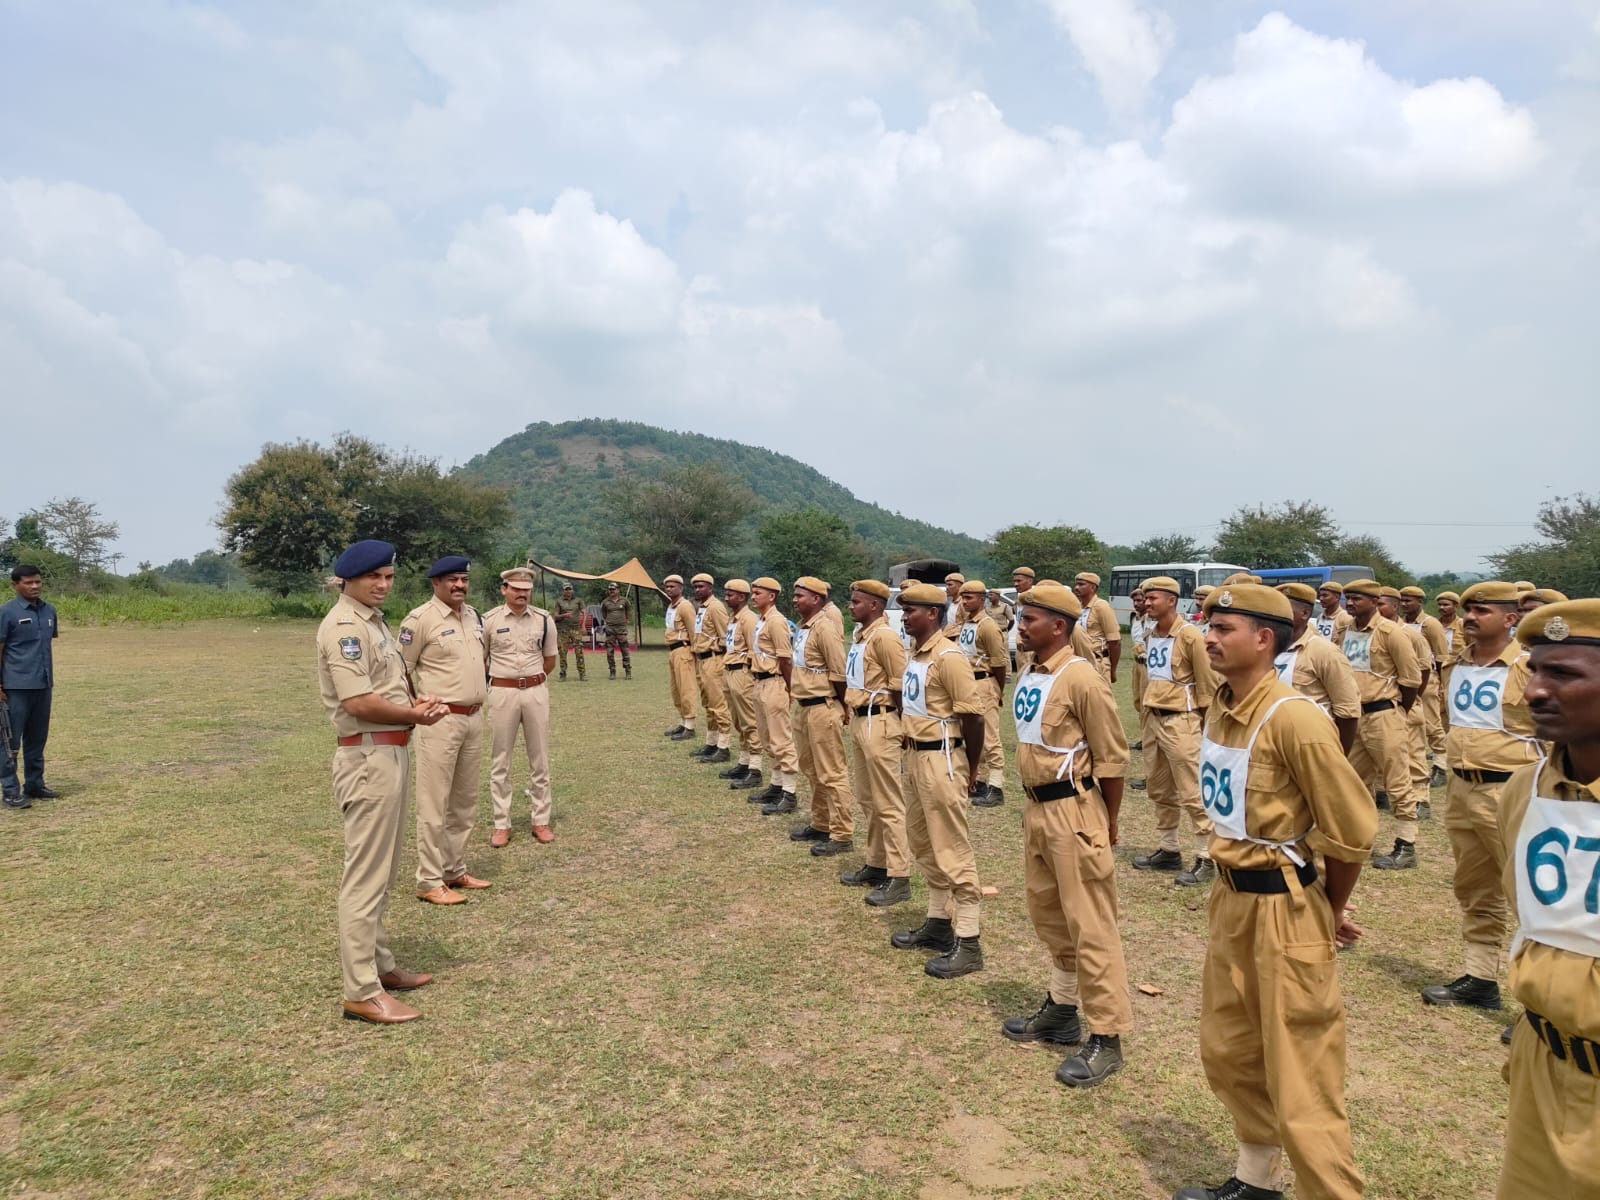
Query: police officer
point(1550, 827)
point(569, 627)
point(1388, 677)
point(520, 645)
point(1138, 631)
point(709, 645)
point(1072, 755)
point(772, 666)
point(739, 685)
point(442, 644)
point(1432, 631)
point(1416, 721)
point(1491, 736)
point(817, 685)
point(952, 591)
point(1280, 790)
point(1022, 578)
point(680, 656)
point(942, 722)
point(1180, 687)
point(999, 610)
point(1100, 622)
point(1335, 619)
point(367, 697)
point(614, 619)
point(1312, 666)
point(984, 645)
point(28, 629)
point(1539, 597)
point(873, 668)
point(1449, 605)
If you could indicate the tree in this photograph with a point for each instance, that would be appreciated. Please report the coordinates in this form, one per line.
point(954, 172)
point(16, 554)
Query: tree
point(1569, 557)
point(427, 515)
point(287, 516)
point(1055, 552)
point(1365, 551)
point(683, 520)
point(1292, 534)
point(1169, 548)
point(812, 542)
point(75, 527)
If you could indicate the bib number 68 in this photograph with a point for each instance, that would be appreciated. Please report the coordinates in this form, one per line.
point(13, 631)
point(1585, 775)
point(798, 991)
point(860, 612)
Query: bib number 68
point(1216, 789)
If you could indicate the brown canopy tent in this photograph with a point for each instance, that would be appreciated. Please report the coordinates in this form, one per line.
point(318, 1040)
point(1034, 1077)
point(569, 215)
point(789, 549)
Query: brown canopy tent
point(629, 574)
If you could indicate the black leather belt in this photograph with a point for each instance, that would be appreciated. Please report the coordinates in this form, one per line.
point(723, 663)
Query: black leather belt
point(708, 653)
point(1058, 790)
point(1265, 883)
point(980, 674)
point(1481, 776)
point(871, 709)
point(1377, 706)
point(1165, 712)
point(1585, 1054)
point(916, 745)
point(765, 674)
point(733, 666)
point(813, 701)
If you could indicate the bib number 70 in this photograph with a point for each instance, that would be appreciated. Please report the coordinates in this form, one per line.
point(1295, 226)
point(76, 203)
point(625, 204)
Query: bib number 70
point(1216, 789)
point(1547, 869)
point(1485, 697)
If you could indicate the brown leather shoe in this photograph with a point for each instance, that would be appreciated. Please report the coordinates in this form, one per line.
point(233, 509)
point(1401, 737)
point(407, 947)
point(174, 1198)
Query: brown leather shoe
point(467, 883)
point(441, 895)
point(404, 981)
point(382, 1009)
point(544, 834)
point(499, 838)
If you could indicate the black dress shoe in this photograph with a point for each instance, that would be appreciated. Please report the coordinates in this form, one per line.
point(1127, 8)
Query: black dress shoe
point(1053, 1022)
point(1159, 860)
point(1232, 1190)
point(808, 833)
point(1135, 745)
point(42, 793)
point(867, 877)
point(935, 933)
point(1469, 991)
point(890, 892)
point(992, 797)
point(830, 848)
point(783, 804)
point(1098, 1061)
point(1137, 785)
point(11, 801)
point(966, 958)
point(734, 772)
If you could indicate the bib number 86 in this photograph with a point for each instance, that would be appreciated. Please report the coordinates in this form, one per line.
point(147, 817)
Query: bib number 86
point(1216, 789)
point(1485, 698)
point(1025, 706)
point(1551, 887)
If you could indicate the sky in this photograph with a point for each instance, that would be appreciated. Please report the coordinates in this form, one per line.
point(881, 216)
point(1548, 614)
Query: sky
point(1112, 263)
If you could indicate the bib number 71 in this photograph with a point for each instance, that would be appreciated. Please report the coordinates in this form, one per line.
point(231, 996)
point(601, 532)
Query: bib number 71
point(1547, 869)
point(1216, 789)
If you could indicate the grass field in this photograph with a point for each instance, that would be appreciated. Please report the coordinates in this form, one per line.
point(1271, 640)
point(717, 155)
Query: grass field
point(671, 1001)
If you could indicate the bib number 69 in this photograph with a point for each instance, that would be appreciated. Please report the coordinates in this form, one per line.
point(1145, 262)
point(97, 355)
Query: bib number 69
point(1547, 869)
point(1216, 789)
point(1025, 706)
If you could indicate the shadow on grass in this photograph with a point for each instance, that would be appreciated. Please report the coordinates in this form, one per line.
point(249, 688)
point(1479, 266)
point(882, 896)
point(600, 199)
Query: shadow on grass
point(1011, 997)
point(1177, 1153)
point(435, 952)
point(1407, 972)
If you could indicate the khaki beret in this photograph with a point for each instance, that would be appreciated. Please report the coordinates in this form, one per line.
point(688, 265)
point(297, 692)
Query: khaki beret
point(1204, 590)
point(1490, 591)
point(1162, 583)
point(811, 583)
point(1413, 593)
point(1547, 596)
point(1028, 571)
point(1571, 622)
point(1051, 582)
point(1302, 592)
point(871, 587)
point(1363, 587)
point(1522, 585)
point(1389, 593)
point(678, 579)
point(974, 587)
point(1237, 577)
point(1331, 585)
point(741, 586)
point(767, 583)
point(1250, 600)
point(1448, 596)
point(702, 578)
point(1053, 598)
point(955, 577)
point(517, 575)
point(926, 594)
point(1086, 577)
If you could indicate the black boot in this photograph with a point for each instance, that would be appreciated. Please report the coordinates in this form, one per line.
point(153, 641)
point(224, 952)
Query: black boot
point(681, 735)
point(719, 755)
point(977, 797)
point(771, 795)
point(750, 782)
point(613, 672)
point(704, 753)
point(867, 877)
point(1232, 1190)
point(935, 933)
point(1505, 1034)
point(1203, 872)
point(807, 833)
point(890, 892)
point(1438, 778)
point(1468, 990)
point(629, 671)
point(966, 958)
point(734, 772)
point(992, 797)
point(1402, 858)
point(1100, 1058)
point(1053, 1022)
point(776, 808)
point(673, 732)
point(831, 849)
point(1159, 860)
point(1382, 801)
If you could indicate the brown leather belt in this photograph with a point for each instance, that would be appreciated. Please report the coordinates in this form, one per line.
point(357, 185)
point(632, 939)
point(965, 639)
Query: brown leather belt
point(523, 681)
point(384, 737)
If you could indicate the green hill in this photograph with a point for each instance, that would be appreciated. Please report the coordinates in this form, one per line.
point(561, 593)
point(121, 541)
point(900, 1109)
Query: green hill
point(558, 474)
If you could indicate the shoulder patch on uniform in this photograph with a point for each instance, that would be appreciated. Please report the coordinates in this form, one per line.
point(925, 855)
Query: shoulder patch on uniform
point(406, 636)
point(350, 648)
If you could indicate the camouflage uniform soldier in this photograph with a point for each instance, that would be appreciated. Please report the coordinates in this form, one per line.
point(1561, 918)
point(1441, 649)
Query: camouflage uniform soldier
point(614, 618)
point(569, 625)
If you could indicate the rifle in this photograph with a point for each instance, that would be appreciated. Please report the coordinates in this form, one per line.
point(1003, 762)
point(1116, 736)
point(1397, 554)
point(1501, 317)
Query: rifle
point(7, 749)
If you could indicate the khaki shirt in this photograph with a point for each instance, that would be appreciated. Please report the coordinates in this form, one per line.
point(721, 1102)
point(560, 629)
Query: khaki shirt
point(1493, 749)
point(614, 613)
point(772, 642)
point(1561, 986)
point(357, 657)
point(1393, 662)
point(743, 624)
point(1455, 638)
point(1080, 708)
point(1001, 614)
point(517, 646)
point(883, 664)
point(1342, 620)
point(992, 654)
point(1419, 647)
point(951, 691)
point(831, 613)
point(444, 650)
point(1193, 681)
point(680, 623)
point(822, 664)
point(569, 614)
point(1323, 673)
point(1099, 620)
point(1432, 634)
point(1138, 630)
point(1301, 789)
point(713, 635)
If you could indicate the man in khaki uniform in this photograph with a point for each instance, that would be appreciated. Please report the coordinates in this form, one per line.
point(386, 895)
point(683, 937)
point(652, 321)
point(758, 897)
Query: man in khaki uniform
point(985, 647)
point(680, 656)
point(1072, 755)
point(710, 645)
point(1180, 687)
point(1491, 737)
point(569, 628)
point(1449, 604)
point(952, 589)
point(1549, 813)
point(1022, 578)
point(1388, 676)
point(818, 686)
point(1272, 1022)
point(1138, 631)
point(1432, 631)
point(614, 615)
point(1100, 622)
point(442, 644)
point(872, 673)
point(999, 611)
point(772, 666)
point(1416, 720)
point(830, 610)
point(942, 722)
point(739, 686)
point(1538, 598)
point(1335, 618)
point(1315, 668)
point(368, 698)
point(520, 644)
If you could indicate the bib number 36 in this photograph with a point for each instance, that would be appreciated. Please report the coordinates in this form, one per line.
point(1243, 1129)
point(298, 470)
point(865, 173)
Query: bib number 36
point(1216, 790)
point(1547, 867)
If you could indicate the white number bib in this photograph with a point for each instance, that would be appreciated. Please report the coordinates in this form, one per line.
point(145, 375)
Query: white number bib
point(1558, 874)
point(1027, 706)
point(800, 638)
point(1224, 779)
point(732, 629)
point(914, 689)
point(699, 620)
point(967, 640)
point(1477, 697)
point(1325, 627)
point(1450, 639)
point(672, 617)
point(1285, 664)
point(1358, 650)
point(855, 667)
point(1136, 631)
point(1158, 658)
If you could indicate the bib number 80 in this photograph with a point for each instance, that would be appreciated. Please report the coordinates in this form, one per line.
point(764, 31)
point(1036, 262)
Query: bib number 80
point(1216, 790)
point(1485, 698)
point(1551, 888)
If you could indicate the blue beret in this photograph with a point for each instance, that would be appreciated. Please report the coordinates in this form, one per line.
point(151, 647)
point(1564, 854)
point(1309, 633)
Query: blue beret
point(448, 565)
point(363, 558)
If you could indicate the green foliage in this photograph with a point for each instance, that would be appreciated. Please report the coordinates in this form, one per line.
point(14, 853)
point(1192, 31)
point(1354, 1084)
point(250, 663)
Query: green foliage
point(1054, 552)
point(29, 531)
point(1291, 534)
point(812, 542)
point(682, 520)
point(1569, 557)
point(207, 568)
point(75, 527)
point(1166, 548)
point(1365, 551)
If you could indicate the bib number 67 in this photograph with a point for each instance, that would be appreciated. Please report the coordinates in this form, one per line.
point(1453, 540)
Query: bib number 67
point(1547, 869)
point(1216, 789)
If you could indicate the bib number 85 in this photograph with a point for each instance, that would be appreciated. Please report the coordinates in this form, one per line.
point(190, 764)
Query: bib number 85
point(1216, 790)
point(1025, 706)
point(1551, 888)
point(1485, 698)
point(1157, 656)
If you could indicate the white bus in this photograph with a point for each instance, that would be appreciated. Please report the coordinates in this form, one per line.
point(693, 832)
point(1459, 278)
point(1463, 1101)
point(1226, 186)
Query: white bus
point(1188, 575)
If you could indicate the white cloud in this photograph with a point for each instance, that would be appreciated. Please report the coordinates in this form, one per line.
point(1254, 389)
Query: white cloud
point(1124, 45)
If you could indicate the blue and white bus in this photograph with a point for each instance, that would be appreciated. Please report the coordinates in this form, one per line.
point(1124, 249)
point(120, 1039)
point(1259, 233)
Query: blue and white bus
point(1188, 576)
point(1315, 576)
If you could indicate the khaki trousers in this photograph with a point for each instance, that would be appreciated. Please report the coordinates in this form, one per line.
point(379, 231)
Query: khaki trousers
point(370, 786)
point(1380, 754)
point(1141, 676)
point(1072, 900)
point(1172, 774)
point(994, 754)
point(680, 667)
point(1472, 820)
point(875, 783)
point(708, 671)
point(739, 689)
point(1272, 1038)
point(1417, 766)
point(448, 755)
point(774, 729)
point(1552, 1113)
point(527, 709)
point(819, 741)
point(1433, 709)
point(936, 828)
